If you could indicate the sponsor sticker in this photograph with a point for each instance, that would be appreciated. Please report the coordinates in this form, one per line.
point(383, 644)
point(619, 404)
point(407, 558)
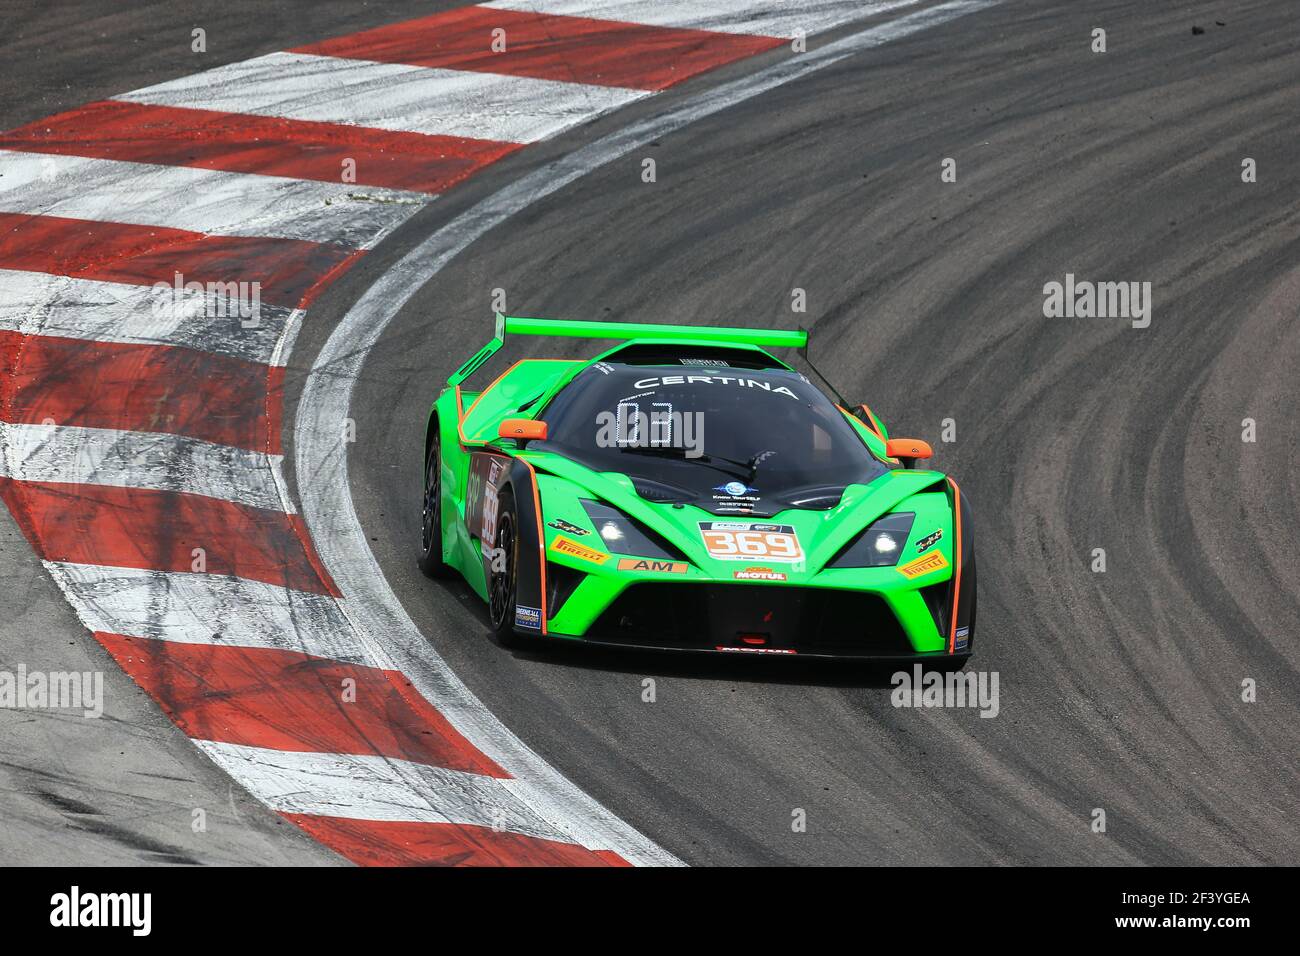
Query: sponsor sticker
point(963, 639)
point(529, 617)
point(736, 489)
point(563, 545)
point(735, 497)
point(755, 650)
point(925, 564)
point(925, 543)
point(733, 380)
point(568, 527)
point(749, 541)
point(649, 564)
point(758, 574)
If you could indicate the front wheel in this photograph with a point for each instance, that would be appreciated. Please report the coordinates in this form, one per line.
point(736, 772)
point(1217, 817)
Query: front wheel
point(431, 562)
point(503, 573)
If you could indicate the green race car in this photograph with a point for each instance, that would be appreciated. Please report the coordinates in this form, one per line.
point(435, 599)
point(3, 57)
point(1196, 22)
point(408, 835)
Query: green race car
point(686, 490)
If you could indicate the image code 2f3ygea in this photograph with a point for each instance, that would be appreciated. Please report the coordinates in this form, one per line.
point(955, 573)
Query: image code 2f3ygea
point(709, 434)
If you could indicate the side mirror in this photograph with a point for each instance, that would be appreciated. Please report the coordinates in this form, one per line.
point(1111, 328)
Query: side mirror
point(522, 430)
point(907, 450)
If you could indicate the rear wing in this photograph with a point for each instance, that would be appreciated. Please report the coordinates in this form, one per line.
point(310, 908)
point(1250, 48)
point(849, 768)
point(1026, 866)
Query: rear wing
point(576, 329)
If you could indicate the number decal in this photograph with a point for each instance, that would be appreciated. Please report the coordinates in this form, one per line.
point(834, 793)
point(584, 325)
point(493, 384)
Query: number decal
point(745, 541)
point(661, 424)
point(490, 505)
point(630, 422)
point(628, 413)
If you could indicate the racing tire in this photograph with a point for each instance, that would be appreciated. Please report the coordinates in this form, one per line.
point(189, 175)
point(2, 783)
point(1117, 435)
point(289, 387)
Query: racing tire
point(503, 573)
point(431, 562)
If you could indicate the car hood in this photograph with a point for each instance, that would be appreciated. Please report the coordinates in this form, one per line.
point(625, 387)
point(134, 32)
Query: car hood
point(822, 532)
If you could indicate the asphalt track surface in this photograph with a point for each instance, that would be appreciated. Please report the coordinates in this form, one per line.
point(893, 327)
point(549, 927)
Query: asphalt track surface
point(1119, 691)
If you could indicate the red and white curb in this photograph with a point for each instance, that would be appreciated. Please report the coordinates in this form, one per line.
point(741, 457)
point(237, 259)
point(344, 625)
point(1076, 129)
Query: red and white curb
point(140, 440)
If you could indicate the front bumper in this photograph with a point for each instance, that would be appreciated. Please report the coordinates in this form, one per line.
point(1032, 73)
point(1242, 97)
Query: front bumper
point(764, 620)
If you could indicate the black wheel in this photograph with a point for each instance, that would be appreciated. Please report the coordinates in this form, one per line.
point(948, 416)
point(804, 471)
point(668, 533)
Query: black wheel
point(431, 562)
point(502, 574)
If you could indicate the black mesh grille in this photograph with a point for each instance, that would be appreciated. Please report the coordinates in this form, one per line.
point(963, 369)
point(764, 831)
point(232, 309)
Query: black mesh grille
point(561, 582)
point(645, 353)
point(938, 598)
point(706, 616)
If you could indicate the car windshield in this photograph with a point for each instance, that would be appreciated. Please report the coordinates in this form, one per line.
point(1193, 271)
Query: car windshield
point(734, 440)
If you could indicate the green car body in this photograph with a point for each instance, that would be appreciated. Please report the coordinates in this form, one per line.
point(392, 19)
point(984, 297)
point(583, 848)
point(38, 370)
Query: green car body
point(518, 519)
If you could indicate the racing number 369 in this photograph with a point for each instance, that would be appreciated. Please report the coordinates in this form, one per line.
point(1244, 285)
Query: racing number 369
point(744, 545)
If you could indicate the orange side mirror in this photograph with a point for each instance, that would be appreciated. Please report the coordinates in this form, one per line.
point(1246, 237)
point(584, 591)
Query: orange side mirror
point(522, 430)
point(907, 450)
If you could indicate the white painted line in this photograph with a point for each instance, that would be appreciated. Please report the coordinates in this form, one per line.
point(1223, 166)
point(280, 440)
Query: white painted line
point(773, 18)
point(380, 621)
point(206, 609)
point(68, 454)
point(206, 201)
point(397, 97)
point(36, 303)
point(366, 787)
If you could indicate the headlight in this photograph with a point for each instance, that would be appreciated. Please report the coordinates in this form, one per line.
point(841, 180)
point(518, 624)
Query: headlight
point(879, 546)
point(624, 535)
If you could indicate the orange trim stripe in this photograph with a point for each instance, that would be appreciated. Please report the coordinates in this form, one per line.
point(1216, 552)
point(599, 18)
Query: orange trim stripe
point(956, 586)
point(871, 422)
point(541, 537)
point(460, 421)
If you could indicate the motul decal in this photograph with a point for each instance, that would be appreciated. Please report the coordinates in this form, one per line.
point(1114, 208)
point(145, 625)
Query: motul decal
point(758, 574)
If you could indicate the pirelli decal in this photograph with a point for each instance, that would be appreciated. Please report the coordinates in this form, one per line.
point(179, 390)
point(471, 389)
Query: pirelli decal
point(649, 564)
point(563, 545)
point(925, 564)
